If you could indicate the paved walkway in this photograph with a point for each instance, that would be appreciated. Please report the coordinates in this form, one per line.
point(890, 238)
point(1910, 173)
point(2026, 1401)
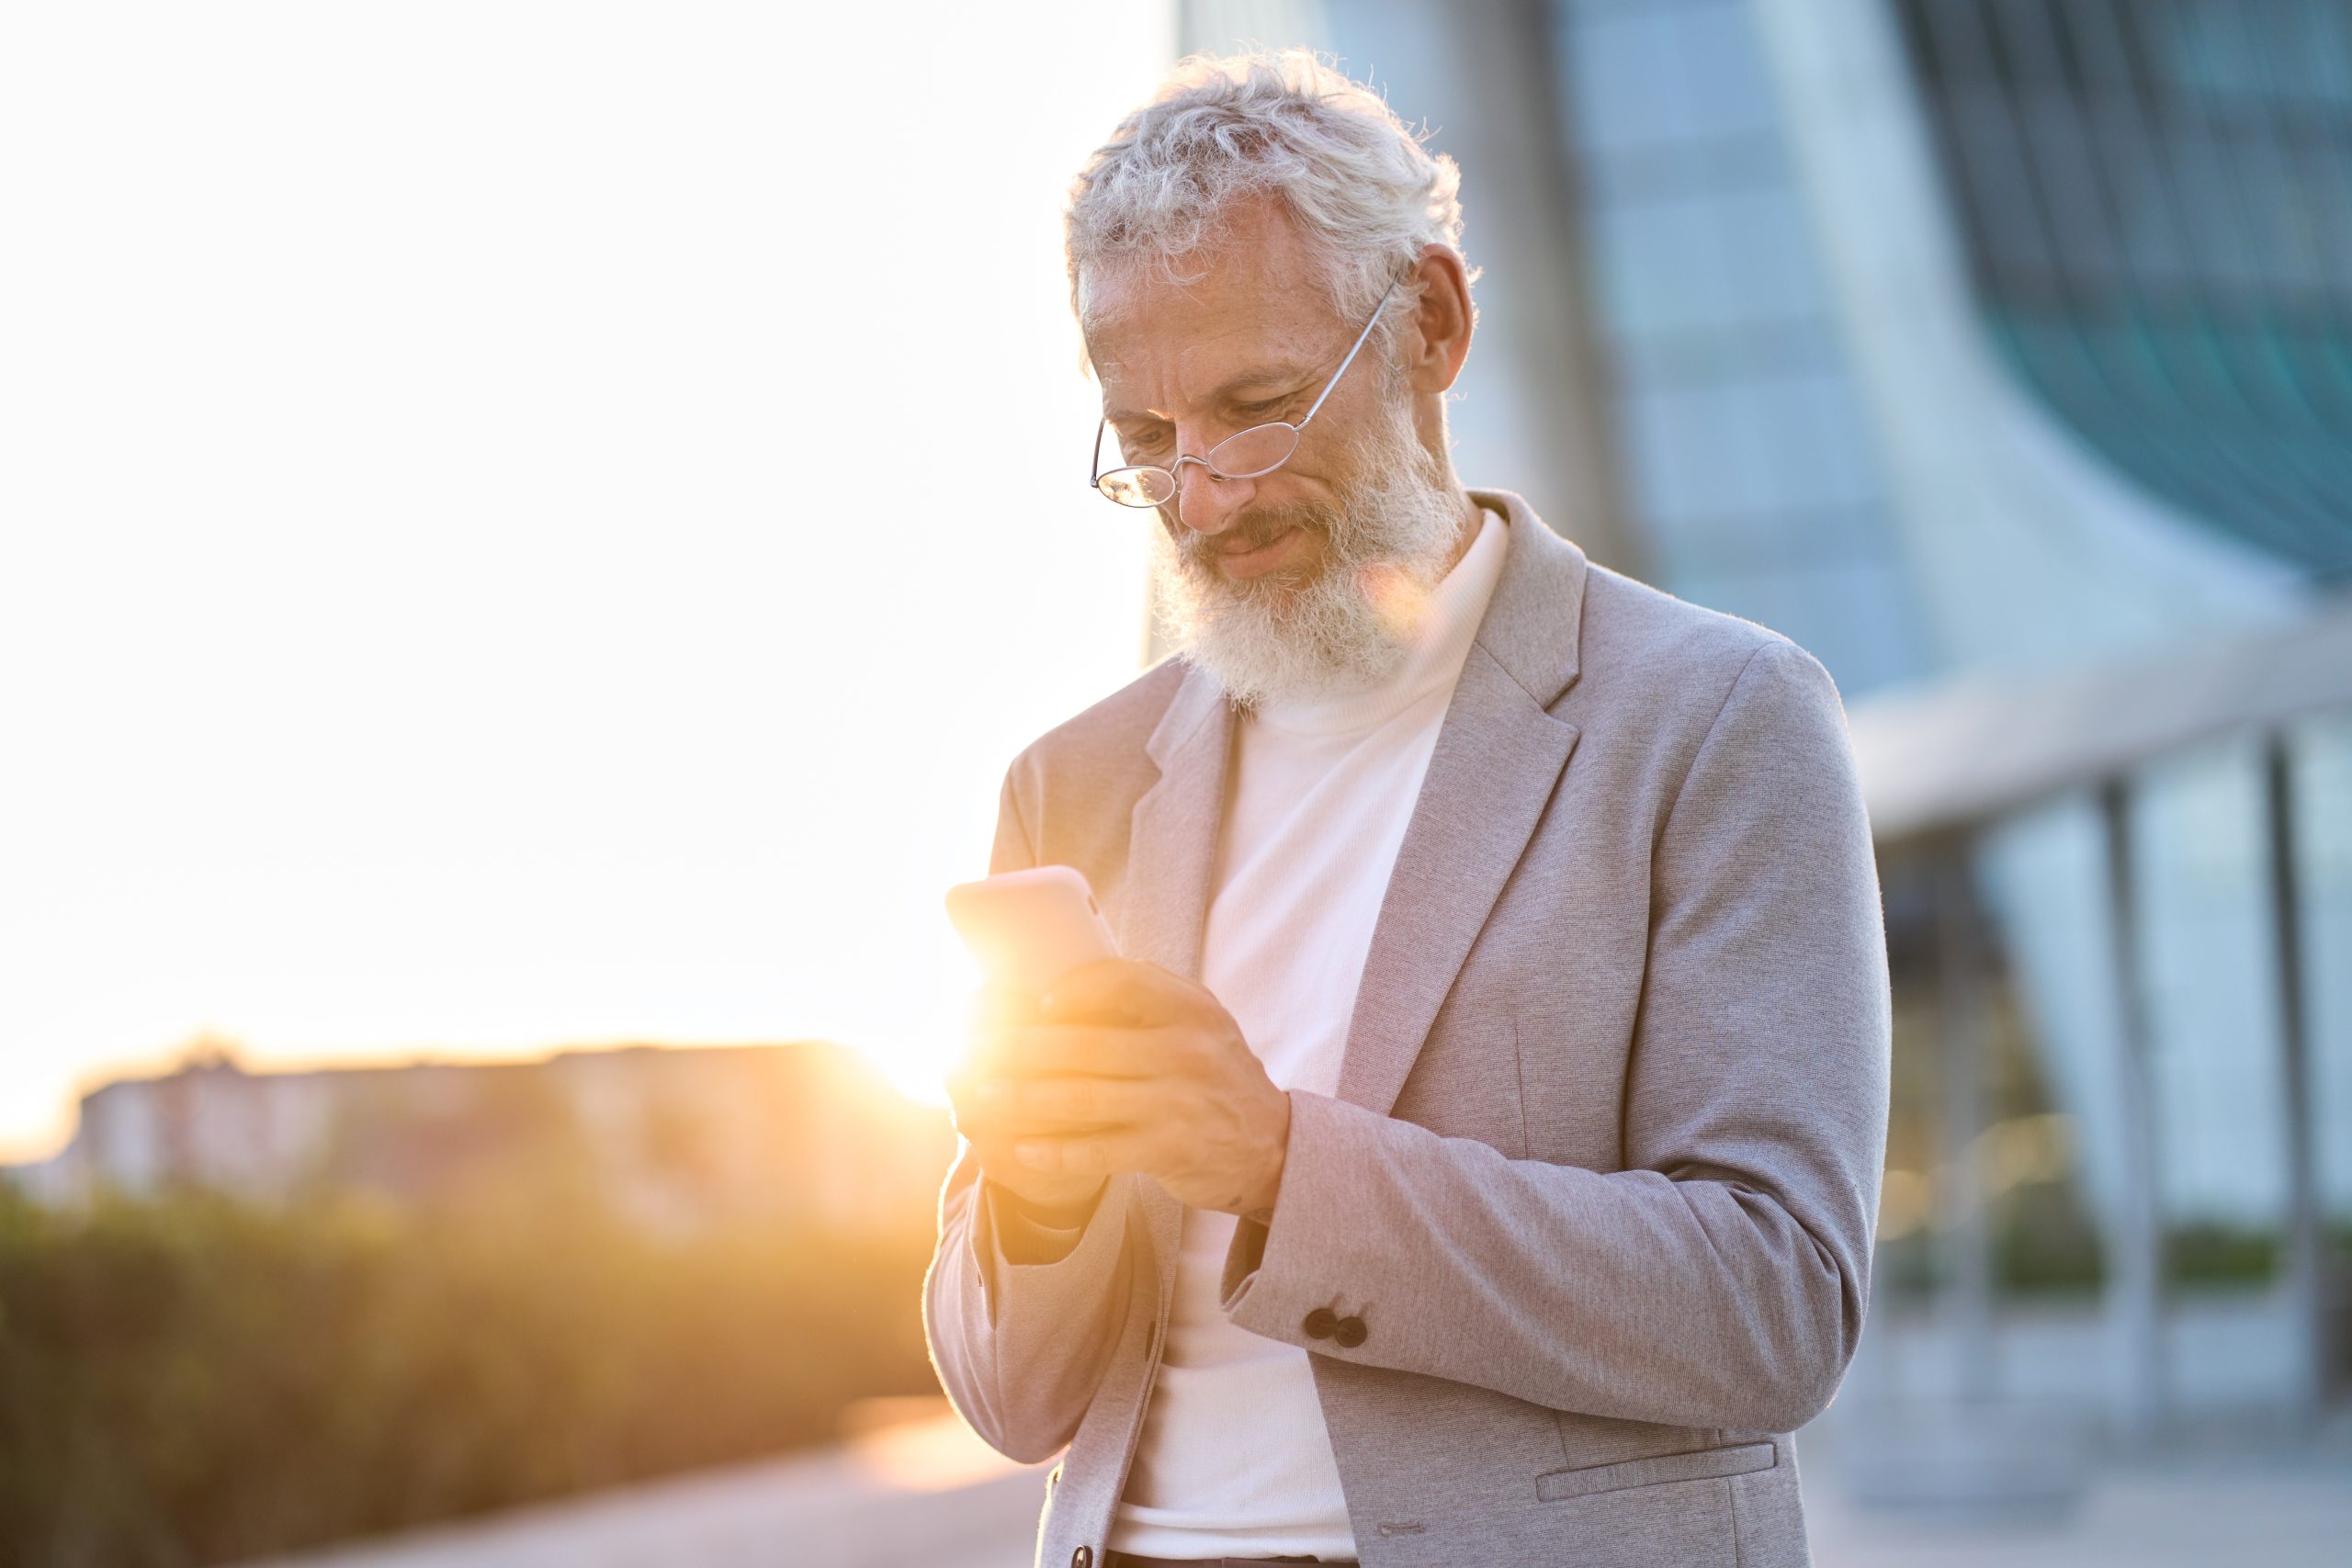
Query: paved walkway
point(924, 1493)
point(921, 1492)
point(2278, 1507)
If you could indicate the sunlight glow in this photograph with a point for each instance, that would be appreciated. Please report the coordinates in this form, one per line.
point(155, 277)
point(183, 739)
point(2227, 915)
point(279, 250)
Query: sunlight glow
point(918, 1444)
point(1401, 605)
point(456, 592)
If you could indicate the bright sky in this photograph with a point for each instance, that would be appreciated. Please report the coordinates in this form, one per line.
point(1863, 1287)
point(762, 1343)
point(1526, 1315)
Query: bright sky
point(460, 585)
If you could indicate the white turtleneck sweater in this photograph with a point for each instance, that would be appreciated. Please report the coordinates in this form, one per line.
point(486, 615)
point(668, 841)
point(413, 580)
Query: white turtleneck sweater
point(1235, 1459)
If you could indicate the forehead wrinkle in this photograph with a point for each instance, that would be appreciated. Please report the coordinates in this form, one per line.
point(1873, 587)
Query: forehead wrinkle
point(1256, 375)
point(1257, 337)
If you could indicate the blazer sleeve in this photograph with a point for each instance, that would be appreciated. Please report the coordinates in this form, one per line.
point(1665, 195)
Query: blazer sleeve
point(1021, 1346)
point(1718, 1281)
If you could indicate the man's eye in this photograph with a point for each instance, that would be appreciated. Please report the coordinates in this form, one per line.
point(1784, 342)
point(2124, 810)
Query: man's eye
point(1254, 410)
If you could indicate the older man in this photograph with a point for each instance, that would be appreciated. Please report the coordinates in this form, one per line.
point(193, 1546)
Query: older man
point(1472, 1156)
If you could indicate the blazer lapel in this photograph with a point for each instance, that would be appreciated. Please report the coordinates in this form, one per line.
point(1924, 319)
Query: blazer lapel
point(1172, 836)
point(1500, 755)
point(1171, 846)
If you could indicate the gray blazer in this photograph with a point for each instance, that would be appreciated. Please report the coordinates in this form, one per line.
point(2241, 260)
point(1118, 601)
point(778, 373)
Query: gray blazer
point(1601, 1171)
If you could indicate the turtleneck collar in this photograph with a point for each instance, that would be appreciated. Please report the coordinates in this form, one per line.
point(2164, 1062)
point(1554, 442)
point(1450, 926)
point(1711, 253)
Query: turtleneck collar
point(1433, 657)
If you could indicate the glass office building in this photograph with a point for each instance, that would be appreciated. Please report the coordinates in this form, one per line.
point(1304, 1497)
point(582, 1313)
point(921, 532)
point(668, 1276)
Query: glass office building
point(1749, 468)
point(1955, 339)
point(2158, 210)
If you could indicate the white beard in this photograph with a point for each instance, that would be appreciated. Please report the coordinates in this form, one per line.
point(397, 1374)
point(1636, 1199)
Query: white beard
point(1272, 638)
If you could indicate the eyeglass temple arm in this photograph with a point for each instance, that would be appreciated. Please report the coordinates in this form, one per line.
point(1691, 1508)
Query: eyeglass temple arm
point(1362, 338)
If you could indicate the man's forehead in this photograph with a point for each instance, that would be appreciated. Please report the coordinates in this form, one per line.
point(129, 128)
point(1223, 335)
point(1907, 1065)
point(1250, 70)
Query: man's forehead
point(1137, 306)
point(1202, 344)
point(1204, 340)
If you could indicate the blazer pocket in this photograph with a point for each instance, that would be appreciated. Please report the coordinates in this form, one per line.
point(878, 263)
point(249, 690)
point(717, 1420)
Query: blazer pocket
point(1699, 1465)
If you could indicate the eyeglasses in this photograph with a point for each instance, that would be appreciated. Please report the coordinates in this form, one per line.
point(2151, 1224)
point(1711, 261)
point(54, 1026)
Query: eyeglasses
point(1245, 455)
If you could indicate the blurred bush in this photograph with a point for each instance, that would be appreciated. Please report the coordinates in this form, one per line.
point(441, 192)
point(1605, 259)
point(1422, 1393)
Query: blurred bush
point(188, 1380)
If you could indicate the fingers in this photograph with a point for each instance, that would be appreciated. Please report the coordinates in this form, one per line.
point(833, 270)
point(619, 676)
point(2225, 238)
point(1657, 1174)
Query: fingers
point(1086, 1154)
point(1117, 990)
point(1087, 1100)
point(1010, 1107)
point(1072, 1127)
point(1046, 1050)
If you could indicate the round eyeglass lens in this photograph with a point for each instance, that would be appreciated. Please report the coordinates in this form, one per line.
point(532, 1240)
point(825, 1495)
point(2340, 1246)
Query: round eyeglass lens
point(1249, 453)
point(1137, 487)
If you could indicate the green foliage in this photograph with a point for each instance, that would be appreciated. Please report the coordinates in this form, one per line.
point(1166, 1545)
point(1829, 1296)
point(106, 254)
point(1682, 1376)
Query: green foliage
point(2046, 1243)
point(191, 1380)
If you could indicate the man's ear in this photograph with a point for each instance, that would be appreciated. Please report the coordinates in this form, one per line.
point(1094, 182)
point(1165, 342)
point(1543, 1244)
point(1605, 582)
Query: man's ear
point(1437, 342)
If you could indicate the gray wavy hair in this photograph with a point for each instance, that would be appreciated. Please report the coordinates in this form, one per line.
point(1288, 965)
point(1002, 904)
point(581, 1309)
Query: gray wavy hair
point(1365, 192)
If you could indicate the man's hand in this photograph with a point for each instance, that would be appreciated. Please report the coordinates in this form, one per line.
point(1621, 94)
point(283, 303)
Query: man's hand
point(1122, 1066)
point(979, 1116)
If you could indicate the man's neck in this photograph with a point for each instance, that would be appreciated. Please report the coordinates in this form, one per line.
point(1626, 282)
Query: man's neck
point(1465, 533)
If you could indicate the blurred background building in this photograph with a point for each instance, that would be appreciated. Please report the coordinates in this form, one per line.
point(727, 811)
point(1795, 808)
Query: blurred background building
point(1999, 352)
point(806, 1136)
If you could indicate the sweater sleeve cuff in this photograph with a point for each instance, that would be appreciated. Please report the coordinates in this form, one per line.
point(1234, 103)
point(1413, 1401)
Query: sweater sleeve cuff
point(1018, 1256)
point(1023, 1237)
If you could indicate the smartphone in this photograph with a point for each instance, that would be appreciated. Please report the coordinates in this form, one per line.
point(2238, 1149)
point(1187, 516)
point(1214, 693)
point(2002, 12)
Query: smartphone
point(1030, 927)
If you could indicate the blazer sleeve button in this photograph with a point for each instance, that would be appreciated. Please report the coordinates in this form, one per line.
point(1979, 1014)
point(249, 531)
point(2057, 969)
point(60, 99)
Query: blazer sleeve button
point(1321, 1324)
point(1349, 1332)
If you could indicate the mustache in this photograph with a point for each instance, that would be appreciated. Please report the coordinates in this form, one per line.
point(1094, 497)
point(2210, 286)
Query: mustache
point(1246, 533)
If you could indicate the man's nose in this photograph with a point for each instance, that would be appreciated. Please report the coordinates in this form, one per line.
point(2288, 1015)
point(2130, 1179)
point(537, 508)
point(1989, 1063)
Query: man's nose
point(1206, 503)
